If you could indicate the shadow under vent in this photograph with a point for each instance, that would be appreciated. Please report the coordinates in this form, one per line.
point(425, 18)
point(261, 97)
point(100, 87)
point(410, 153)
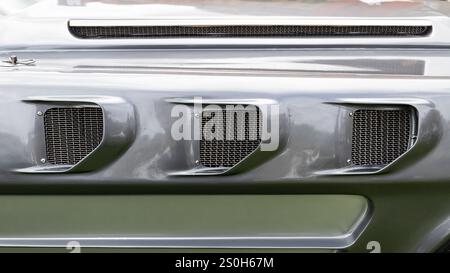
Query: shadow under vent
point(228, 136)
point(380, 136)
point(71, 133)
point(248, 31)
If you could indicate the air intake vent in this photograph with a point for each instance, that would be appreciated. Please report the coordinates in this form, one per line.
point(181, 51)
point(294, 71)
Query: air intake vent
point(380, 136)
point(72, 133)
point(228, 136)
point(248, 31)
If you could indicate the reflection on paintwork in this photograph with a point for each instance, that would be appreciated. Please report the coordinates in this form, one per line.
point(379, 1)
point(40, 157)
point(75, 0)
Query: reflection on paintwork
point(250, 62)
point(265, 7)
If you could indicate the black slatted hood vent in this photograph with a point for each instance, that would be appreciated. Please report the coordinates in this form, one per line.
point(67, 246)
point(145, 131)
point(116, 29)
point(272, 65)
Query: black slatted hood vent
point(246, 31)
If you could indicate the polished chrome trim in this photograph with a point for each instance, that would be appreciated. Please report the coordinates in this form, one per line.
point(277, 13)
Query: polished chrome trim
point(384, 101)
point(312, 242)
point(83, 99)
point(223, 101)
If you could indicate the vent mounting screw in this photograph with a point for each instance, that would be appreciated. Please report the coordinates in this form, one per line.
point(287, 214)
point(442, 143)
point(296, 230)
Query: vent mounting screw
point(43, 160)
point(13, 59)
point(197, 162)
point(349, 161)
point(39, 113)
point(350, 114)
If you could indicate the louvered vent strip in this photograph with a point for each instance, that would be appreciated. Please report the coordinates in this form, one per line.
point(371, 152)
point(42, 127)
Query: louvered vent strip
point(248, 31)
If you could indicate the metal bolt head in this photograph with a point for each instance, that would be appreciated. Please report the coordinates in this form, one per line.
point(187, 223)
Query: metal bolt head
point(350, 114)
point(13, 59)
point(197, 162)
point(43, 160)
point(349, 161)
point(39, 113)
point(197, 115)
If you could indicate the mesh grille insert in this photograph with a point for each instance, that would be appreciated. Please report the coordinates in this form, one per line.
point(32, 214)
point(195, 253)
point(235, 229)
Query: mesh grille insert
point(247, 31)
point(226, 143)
point(72, 133)
point(380, 136)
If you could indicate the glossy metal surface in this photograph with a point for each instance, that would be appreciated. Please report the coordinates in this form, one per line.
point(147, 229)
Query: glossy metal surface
point(315, 82)
point(304, 82)
point(46, 22)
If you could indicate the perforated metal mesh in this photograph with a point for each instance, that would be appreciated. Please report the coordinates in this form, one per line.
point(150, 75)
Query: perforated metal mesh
point(380, 136)
point(237, 31)
point(228, 136)
point(72, 133)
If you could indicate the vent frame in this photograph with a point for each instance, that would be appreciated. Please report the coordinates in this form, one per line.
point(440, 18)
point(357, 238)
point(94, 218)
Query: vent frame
point(118, 132)
point(192, 167)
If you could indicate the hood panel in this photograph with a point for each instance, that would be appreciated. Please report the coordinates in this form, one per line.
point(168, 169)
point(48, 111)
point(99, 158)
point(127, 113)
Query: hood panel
point(44, 24)
point(195, 9)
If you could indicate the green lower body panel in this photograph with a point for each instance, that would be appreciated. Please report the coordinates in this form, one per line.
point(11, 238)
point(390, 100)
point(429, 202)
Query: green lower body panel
point(182, 221)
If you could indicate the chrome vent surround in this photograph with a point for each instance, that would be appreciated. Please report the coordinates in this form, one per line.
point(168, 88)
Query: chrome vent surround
point(71, 133)
point(241, 135)
point(380, 136)
point(247, 31)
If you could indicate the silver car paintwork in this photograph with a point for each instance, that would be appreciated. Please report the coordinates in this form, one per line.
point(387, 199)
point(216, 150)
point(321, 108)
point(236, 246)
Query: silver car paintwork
point(307, 83)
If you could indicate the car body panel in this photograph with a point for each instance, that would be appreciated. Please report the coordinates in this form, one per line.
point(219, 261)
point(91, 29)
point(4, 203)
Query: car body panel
point(315, 82)
point(192, 221)
point(45, 23)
